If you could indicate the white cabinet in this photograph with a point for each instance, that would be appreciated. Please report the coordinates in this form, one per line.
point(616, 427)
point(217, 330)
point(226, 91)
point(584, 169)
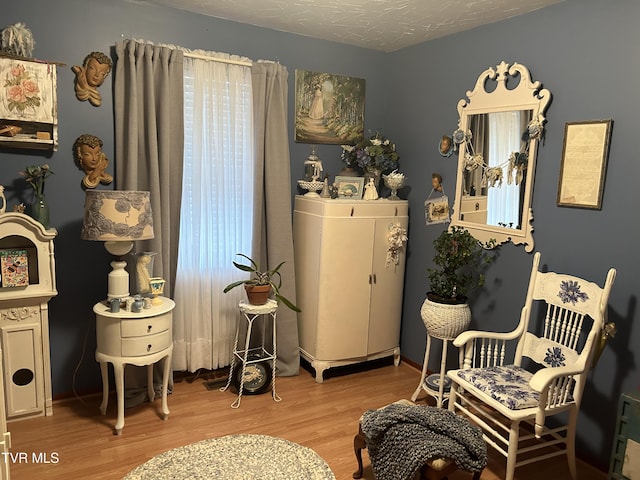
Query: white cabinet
point(351, 299)
point(27, 283)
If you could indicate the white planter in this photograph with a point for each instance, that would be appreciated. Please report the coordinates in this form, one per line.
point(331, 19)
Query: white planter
point(445, 321)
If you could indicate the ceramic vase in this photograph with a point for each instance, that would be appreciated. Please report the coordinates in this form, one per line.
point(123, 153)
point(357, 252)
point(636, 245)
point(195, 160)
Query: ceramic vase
point(40, 211)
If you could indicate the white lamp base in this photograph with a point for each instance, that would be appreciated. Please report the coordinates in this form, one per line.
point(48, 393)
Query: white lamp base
point(118, 280)
point(118, 286)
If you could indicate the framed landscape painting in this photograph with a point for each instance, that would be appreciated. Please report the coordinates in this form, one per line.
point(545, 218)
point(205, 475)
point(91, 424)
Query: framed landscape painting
point(329, 108)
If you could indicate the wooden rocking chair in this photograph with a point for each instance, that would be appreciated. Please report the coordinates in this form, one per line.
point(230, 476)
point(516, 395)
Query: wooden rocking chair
point(545, 376)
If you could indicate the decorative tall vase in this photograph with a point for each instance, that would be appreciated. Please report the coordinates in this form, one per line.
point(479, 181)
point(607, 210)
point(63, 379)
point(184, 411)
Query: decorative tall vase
point(40, 211)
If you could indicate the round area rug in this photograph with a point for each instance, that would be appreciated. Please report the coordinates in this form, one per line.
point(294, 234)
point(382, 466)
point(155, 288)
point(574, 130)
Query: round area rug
point(236, 457)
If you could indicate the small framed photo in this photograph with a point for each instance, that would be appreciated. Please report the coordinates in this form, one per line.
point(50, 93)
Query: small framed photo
point(584, 164)
point(437, 210)
point(445, 146)
point(350, 187)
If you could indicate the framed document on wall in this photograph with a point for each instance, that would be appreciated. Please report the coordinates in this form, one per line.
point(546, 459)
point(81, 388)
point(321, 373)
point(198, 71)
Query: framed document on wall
point(584, 164)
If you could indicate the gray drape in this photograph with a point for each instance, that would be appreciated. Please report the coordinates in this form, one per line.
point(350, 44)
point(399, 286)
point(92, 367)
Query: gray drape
point(273, 232)
point(478, 125)
point(148, 110)
point(148, 100)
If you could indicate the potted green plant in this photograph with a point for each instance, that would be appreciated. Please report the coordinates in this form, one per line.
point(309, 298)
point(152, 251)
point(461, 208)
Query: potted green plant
point(261, 283)
point(460, 261)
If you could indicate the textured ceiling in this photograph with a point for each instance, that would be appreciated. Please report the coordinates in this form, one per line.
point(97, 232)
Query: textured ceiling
point(385, 25)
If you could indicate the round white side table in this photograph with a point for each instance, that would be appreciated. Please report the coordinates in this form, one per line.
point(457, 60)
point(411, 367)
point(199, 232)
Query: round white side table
point(137, 338)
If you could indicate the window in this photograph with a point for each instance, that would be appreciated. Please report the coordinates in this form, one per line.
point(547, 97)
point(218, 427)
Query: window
point(503, 202)
point(217, 210)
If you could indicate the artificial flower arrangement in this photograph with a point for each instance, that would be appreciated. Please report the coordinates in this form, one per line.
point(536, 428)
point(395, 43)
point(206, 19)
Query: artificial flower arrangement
point(397, 237)
point(36, 175)
point(375, 152)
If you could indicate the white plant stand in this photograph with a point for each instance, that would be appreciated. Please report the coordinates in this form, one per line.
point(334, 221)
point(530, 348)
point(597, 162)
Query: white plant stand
point(245, 357)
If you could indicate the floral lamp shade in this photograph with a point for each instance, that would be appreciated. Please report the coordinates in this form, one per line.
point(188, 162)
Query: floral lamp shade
point(118, 218)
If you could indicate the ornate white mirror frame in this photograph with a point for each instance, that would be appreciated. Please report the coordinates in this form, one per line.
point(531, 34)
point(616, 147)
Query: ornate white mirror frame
point(494, 171)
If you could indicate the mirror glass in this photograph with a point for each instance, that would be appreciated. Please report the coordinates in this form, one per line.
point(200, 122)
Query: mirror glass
point(500, 125)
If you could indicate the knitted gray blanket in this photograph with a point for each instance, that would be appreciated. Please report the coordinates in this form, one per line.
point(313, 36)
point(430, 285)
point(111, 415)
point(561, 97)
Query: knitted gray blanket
point(402, 438)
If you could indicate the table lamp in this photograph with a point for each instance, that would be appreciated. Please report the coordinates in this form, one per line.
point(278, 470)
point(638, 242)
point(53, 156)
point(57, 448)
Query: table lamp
point(118, 218)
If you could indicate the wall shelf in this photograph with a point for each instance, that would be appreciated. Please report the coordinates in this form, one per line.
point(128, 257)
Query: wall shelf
point(28, 103)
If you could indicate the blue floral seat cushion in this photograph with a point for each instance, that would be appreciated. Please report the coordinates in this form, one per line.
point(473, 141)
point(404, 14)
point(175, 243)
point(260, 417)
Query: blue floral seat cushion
point(508, 384)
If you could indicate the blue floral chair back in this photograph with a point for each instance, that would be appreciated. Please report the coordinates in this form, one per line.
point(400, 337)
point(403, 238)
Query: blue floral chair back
point(534, 372)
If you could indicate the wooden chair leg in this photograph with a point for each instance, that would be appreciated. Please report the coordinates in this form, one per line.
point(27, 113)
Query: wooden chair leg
point(359, 443)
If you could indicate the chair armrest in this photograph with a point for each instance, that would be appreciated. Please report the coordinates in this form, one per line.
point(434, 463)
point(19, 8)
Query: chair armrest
point(483, 348)
point(542, 378)
point(470, 335)
point(541, 381)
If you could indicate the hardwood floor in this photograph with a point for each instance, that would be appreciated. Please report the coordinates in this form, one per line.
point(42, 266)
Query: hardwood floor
point(323, 417)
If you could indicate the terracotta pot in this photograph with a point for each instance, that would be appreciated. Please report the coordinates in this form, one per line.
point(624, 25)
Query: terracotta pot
point(257, 294)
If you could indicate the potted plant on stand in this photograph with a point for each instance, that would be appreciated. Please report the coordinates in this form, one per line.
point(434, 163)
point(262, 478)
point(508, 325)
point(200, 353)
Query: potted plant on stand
point(261, 283)
point(460, 261)
point(256, 373)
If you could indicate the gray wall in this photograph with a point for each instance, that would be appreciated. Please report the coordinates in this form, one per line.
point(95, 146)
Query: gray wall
point(585, 52)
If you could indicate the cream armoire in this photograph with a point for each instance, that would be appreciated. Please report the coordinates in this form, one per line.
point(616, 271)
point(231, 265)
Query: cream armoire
point(349, 294)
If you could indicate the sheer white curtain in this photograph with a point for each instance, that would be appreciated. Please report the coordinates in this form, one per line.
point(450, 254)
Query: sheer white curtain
point(217, 211)
point(503, 202)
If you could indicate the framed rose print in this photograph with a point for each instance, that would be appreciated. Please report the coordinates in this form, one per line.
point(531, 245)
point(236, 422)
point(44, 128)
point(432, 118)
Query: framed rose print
point(28, 105)
point(27, 91)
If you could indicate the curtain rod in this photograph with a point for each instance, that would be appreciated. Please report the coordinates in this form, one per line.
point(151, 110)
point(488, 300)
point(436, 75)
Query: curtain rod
point(218, 59)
